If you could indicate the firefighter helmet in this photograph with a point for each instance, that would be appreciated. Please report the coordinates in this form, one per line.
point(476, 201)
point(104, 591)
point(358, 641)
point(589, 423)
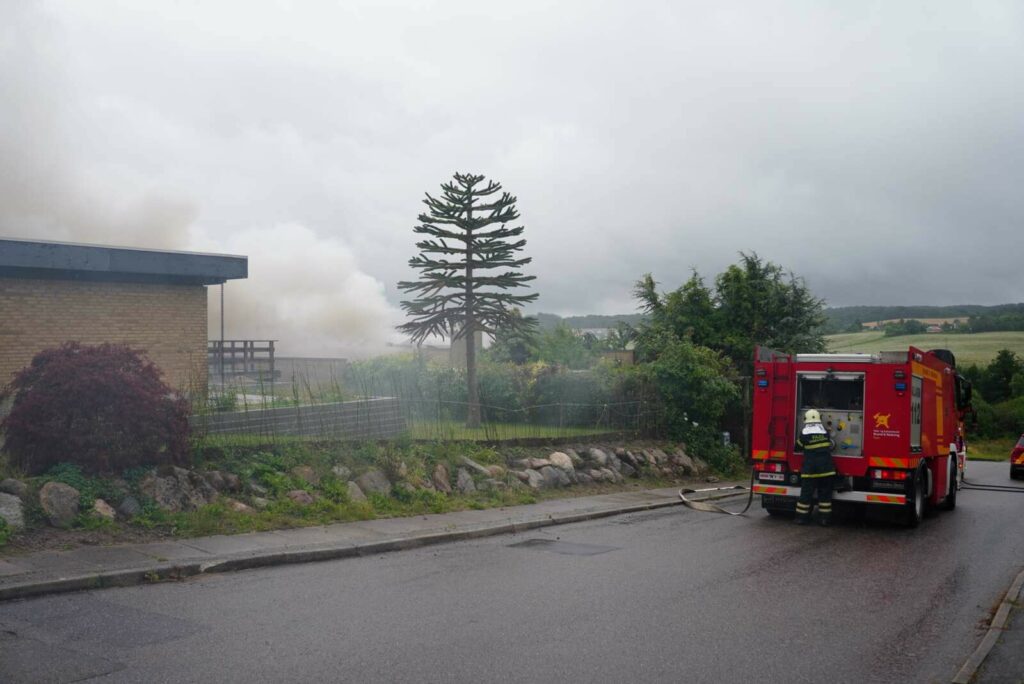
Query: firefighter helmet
point(812, 416)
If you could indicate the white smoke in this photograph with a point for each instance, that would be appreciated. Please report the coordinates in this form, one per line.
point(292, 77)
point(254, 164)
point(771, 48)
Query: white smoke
point(305, 291)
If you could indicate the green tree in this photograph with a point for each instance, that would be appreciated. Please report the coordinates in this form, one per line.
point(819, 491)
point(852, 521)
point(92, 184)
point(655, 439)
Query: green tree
point(458, 292)
point(753, 302)
point(996, 379)
point(513, 344)
point(563, 346)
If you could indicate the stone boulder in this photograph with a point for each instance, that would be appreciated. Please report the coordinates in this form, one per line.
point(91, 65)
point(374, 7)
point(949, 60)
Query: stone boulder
point(355, 493)
point(538, 463)
point(611, 475)
point(306, 474)
point(561, 461)
point(129, 507)
point(700, 466)
point(12, 510)
point(630, 459)
point(214, 479)
point(441, 478)
point(239, 507)
point(259, 503)
point(464, 482)
point(474, 466)
point(60, 503)
point(496, 471)
point(301, 497)
point(374, 482)
point(577, 461)
point(102, 509)
point(660, 457)
point(177, 489)
point(584, 479)
point(521, 463)
point(628, 471)
point(521, 476)
point(595, 474)
point(554, 477)
point(597, 457)
point(341, 472)
point(15, 487)
point(534, 479)
point(684, 462)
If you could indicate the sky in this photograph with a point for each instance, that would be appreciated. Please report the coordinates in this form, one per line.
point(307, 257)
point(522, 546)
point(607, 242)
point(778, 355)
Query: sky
point(875, 149)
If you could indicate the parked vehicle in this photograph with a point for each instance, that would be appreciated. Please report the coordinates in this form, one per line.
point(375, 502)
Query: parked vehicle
point(1017, 460)
point(896, 419)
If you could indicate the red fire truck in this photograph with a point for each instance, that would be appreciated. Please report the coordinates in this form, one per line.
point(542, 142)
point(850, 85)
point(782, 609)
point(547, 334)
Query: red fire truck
point(896, 419)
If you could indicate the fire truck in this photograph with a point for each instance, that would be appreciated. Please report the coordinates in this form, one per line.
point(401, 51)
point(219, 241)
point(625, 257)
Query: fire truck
point(896, 419)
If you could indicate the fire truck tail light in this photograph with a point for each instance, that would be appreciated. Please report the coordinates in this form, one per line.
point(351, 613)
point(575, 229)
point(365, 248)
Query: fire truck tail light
point(880, 474)
point(763, 467)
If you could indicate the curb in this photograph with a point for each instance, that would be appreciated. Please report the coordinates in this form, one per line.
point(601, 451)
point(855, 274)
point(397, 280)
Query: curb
point(136, 576)
point(970, 668)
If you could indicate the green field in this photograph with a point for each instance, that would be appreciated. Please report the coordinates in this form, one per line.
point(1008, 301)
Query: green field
point(978, 348)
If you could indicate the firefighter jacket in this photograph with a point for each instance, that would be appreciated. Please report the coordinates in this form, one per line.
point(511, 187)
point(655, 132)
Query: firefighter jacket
point(817, 448)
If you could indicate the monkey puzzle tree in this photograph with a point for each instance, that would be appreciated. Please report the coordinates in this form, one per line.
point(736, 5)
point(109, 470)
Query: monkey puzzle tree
point(459, 292)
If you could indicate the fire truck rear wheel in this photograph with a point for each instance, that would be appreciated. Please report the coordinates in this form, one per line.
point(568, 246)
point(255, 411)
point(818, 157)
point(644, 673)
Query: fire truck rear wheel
point(949, 503)
point(914, 512)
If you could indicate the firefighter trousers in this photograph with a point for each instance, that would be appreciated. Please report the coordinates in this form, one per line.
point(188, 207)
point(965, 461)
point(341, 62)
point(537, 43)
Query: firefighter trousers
point(809, 484)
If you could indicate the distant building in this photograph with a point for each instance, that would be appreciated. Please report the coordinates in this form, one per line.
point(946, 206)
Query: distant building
point(933, 329)
point(54, 292)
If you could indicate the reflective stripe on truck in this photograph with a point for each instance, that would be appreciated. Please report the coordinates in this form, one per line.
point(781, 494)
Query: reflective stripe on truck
point(862, 497)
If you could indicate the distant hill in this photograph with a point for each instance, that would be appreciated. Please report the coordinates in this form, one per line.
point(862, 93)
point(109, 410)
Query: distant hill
point(841, 318)
point(979, 348)
point(591, 321)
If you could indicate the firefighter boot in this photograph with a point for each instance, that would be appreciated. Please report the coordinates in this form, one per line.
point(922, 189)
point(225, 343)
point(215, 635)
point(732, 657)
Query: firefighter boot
point(803, 513)
point(825, 513)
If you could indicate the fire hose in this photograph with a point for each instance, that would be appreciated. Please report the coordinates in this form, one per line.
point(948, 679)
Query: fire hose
point(709, 507)
point(987, 487)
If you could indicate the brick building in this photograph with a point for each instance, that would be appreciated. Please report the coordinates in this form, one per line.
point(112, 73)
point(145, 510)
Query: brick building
point(52, 292)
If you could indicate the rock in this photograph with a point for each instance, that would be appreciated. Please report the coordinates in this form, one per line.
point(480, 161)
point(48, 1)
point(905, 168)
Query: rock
point(301, 497)
point(630, 459)
point(474, 466)
point(214, 479)
point(355, 493)
point(492, 484)
point(496, 471)
point(614, 463)
point(104, 510)
point(15, 487)
point(538, 463)
point(406, 487)
point(712, 478)
point(628, 471)
point(584, 479)
point(554, 477)
point(129, 507)
point(649, 457)
point(534, 479)
point(620, 452)
point(374, 482)
point(610, 475)
point(341, 472)
point(596, 475)
point(12, 510)
point(177, 489)
point(561, 461)
point(464, 482)
point(685, 462)
point(260, 503)
point(700, 466)
point(660, 457)
point(521, 463)
point(598, 457)
point(441, 478)
point(521, 475)
point(256, 488)
point(577, 462)
point(239, 507)
point(306, 474)
point(232, 483)
point(60, 503)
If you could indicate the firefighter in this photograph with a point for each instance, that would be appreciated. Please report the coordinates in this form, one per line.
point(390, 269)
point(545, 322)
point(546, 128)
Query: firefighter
point(818, 469)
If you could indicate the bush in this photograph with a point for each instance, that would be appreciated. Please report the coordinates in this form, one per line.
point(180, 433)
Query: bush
point(103, 408)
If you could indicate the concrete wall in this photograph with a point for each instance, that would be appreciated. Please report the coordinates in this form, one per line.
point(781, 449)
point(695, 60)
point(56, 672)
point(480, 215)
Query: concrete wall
point(363, 419)
point(167, 321)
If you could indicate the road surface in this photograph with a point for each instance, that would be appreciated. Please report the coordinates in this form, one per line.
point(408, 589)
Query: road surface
point(655, 597)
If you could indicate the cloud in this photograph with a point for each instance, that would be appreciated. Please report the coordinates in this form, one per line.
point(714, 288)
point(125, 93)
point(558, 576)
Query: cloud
point(873, 148)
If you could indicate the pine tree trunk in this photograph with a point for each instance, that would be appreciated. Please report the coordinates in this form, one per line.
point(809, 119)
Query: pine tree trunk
point(473, 392)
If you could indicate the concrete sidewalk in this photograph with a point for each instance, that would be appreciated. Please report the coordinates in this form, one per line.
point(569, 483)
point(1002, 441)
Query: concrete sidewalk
point(51, 572)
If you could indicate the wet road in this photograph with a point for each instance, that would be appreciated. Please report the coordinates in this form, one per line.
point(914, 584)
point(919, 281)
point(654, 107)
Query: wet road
point(659, 596)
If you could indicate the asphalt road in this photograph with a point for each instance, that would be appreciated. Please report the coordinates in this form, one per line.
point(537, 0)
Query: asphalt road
point(660, 596)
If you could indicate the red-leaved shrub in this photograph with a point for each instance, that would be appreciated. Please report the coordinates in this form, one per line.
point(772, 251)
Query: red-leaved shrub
point(103, 408)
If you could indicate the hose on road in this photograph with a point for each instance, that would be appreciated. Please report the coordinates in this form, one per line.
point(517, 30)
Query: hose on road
point(986, 487)
point(709, 507)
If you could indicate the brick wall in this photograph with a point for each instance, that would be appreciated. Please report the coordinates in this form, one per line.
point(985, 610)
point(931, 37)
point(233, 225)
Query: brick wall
point(167, 321)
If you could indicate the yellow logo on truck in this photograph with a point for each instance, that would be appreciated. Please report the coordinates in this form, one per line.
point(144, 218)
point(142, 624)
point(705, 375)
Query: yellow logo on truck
point(882, 420)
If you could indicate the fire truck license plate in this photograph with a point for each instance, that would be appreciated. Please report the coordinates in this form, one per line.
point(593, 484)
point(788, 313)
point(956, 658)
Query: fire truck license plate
point(776, 477)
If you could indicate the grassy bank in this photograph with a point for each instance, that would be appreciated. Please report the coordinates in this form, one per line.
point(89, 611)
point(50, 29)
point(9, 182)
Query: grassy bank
point(990, 449)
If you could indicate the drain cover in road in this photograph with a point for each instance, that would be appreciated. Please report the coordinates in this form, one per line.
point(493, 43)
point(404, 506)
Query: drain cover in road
point(565, 548)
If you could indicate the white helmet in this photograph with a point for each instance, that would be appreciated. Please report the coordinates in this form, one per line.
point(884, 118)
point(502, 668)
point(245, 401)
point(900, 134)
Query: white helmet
point(812, 416)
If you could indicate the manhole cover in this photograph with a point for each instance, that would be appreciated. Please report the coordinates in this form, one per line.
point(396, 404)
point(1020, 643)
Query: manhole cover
point(565, 548)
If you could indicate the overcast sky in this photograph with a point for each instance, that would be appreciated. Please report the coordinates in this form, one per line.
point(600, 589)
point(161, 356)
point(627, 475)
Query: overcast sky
point(874, 148)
